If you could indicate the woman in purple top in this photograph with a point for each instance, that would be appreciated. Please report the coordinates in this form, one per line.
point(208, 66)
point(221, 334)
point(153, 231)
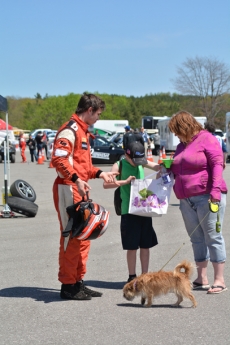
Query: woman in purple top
point(198, 168)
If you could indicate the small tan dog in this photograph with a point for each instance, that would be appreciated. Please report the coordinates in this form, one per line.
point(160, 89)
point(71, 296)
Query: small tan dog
point(152, 284)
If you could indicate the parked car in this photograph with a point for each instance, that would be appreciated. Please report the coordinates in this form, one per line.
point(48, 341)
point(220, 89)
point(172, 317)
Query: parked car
point(51, 135)
point(117, 138)
point(104, 151)
point(219, 132)
point(12, 153)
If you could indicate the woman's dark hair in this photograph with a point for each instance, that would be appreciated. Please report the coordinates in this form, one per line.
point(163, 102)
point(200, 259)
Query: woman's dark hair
point(89, 100)
point(210, 127)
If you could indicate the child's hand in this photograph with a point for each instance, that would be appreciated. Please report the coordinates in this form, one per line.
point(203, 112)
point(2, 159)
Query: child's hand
point(130, 178)
point(161, 171)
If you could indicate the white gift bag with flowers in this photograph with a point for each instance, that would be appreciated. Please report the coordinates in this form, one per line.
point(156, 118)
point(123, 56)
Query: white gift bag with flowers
point(150, 198)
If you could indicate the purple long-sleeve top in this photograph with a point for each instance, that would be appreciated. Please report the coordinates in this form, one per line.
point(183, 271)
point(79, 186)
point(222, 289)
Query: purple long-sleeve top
point(198, 167)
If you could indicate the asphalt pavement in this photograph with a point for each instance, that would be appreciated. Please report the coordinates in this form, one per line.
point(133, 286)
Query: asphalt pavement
point(32, 312)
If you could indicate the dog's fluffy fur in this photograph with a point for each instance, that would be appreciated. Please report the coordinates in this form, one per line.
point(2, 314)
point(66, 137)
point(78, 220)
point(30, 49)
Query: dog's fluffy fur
point(149, 285)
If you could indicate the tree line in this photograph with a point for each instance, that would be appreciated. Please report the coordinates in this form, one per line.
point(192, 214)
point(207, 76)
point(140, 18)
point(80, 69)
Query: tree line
point(53, 111)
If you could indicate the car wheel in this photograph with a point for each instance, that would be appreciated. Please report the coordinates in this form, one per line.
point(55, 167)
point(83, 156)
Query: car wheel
point(12, 158)
point(22, 206)
point(22, 189)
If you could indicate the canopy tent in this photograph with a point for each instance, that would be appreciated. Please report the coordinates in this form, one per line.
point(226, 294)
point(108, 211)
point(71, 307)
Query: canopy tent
point(3, 125)
point(3, 104)
point(3, 131)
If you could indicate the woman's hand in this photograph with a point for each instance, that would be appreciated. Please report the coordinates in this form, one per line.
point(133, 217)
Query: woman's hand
point(213, 200)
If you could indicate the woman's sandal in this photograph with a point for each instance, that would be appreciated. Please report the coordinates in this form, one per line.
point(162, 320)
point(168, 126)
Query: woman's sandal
point(198, 286)
point(217, 287)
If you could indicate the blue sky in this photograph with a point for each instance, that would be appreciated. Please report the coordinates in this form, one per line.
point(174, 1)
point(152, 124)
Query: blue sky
point(118, 47)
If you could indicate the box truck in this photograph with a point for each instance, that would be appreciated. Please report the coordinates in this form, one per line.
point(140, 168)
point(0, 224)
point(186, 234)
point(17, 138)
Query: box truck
point(167, 138)
point(109, 126)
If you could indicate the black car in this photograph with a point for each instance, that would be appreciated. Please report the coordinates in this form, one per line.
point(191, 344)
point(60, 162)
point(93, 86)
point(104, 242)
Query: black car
point(117, 138)
point(104, 151)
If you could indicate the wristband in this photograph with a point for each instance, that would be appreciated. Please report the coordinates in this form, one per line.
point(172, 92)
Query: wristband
point(98, 173)
point(74, 177)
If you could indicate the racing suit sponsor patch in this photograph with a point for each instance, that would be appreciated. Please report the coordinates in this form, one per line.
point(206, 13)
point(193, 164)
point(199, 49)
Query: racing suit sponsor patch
point(74, 126)
point(84, 145)
point(63, 143)
point(60, 153)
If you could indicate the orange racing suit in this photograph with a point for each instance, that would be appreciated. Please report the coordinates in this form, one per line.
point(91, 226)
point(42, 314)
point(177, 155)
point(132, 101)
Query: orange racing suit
point(22, 145)
point(72, 159)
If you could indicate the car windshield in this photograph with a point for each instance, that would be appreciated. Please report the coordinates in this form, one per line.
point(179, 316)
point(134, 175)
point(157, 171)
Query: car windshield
point(114, 136)
point(101, 142)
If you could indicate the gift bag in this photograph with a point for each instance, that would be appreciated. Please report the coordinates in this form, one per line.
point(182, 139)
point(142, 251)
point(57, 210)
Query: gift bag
point(150, 198)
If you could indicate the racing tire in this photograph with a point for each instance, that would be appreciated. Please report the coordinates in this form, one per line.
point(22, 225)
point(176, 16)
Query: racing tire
point(12, 158)
point(22, 206)
point(23, 189)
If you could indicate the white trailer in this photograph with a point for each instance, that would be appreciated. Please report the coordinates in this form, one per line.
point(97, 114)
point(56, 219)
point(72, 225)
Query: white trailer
point(167, 138)
point(110, 125)
point(228, 133)
point(150, 123)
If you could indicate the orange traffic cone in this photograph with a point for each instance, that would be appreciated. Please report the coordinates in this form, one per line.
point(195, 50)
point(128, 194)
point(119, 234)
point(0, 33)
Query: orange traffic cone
point(43, 155)
point(160, 160)
point(149, 155)
point(50, 165)
point(40, 160)
point(163, 153)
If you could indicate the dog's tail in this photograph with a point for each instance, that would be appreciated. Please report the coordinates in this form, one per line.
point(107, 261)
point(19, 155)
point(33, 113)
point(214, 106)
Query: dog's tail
point(187, 268)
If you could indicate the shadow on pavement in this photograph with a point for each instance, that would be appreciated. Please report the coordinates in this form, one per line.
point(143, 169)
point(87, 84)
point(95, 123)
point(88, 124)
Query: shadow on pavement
point(105, 285)
point(153, 306)
point(37, 293)
point(47, 295)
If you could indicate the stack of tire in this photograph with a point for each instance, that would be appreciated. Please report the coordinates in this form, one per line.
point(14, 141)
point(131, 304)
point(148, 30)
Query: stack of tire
point(22, 199)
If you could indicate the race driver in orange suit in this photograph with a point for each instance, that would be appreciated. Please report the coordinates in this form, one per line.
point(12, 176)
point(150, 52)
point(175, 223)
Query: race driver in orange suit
point(72, 159)
point(22, 145)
